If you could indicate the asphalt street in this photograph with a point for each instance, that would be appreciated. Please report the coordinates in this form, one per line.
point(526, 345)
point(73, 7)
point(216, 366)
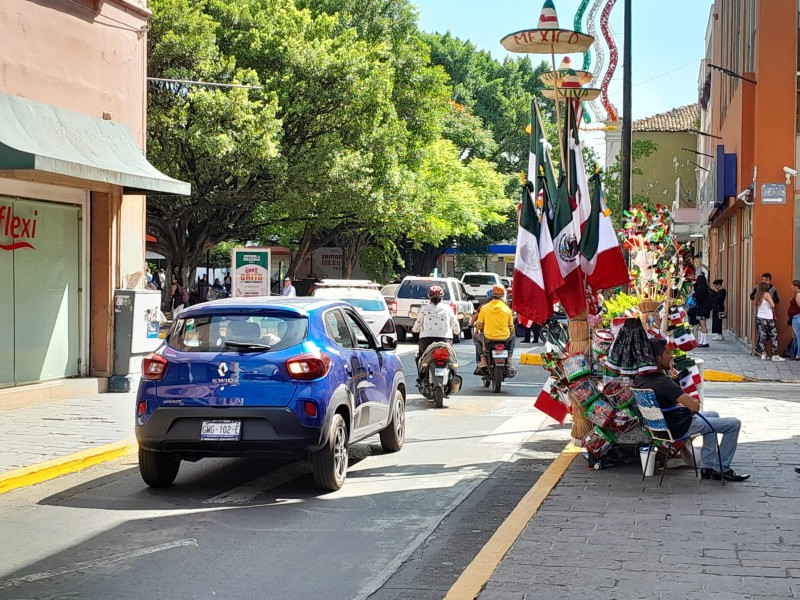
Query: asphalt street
point(404, 526)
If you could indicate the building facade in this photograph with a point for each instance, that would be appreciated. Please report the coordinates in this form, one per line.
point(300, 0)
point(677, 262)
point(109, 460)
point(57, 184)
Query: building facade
point(72, 179)
point(749, 140)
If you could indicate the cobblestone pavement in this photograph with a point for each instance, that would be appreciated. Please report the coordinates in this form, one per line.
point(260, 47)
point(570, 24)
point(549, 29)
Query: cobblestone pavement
point(42, 432)
point(606, 535)
point(734, 356)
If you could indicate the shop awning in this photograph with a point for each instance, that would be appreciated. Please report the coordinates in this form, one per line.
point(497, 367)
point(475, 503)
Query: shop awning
point(47, 139)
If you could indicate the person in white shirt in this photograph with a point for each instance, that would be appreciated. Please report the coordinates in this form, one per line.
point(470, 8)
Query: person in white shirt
point(435, 322)
point(765, 322)
point(288, 289)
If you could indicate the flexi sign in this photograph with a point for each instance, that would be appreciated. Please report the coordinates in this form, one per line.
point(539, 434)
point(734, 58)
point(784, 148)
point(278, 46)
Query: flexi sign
point(21, 230)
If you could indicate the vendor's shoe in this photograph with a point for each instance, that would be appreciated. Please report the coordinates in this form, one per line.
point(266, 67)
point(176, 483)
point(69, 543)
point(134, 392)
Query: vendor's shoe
point(776, 358)
point(729, 475)
point(763, 356)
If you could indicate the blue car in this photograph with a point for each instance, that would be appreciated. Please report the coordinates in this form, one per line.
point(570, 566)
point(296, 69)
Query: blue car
point(264, 376)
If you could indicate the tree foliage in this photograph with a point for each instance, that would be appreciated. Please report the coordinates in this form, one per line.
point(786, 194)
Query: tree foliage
point(612, 186)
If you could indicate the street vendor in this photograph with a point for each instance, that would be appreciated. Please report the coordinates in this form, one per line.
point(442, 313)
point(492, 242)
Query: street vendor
point(683, 417)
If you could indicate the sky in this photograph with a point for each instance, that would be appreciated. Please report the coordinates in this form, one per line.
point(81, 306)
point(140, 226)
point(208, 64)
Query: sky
point(668, 42)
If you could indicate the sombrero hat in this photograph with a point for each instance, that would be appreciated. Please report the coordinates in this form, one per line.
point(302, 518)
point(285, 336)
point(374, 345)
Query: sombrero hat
point(548, 37)
point(570, 87)
point(554, 78)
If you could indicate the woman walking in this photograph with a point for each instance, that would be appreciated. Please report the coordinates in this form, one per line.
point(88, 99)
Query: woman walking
point(765, 322)
point(718, 312)
point(704, 303)
point(794, 317)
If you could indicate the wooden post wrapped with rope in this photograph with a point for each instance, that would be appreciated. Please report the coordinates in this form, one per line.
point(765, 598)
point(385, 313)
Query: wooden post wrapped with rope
point(579, 341)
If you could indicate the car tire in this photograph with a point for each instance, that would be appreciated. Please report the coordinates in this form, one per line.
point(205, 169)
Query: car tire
point(394, 435)
point(401, 334)
point(158, 469)
point(330, 463)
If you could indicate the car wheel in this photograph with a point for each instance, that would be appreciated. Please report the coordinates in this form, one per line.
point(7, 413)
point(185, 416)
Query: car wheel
point(330, 463)
point(158, 469)
point(401, 334)
point(394, 435)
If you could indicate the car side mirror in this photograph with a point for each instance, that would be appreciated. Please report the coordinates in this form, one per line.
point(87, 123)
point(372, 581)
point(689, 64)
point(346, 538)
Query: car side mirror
point(388, 343)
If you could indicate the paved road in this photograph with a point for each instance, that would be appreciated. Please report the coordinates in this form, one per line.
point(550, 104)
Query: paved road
point(404, 526)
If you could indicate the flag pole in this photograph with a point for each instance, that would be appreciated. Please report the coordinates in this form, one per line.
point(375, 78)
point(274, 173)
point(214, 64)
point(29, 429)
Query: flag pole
point(557, 88)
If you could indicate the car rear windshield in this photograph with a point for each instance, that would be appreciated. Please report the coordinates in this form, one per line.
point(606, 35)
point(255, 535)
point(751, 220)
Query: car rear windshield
point(211, 333)
point(367, 305)
point(418, 289)
point(479, 280)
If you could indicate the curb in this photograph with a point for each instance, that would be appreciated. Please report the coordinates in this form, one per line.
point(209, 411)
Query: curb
point(72, 463)
point(480, 570)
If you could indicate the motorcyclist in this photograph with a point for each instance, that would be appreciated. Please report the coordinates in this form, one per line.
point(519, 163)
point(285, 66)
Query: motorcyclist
point(435, 322)
point(477, 337)
point(497, 323)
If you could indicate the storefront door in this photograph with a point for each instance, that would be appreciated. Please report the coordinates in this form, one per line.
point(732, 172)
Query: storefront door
point(40, 246)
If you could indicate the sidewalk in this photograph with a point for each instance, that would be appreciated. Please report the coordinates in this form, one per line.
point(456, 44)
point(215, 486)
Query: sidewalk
point(51, 430)
point(605, 534)
point(729, 357)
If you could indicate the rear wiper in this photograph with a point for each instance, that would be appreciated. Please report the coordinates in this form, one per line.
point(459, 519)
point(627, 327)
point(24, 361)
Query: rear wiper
point(247, 346)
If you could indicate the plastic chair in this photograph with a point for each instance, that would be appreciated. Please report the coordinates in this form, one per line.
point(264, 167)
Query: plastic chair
point(654, 422)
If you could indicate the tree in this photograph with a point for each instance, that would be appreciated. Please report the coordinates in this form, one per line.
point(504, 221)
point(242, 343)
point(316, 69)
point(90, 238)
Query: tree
point(612, 185)
point(218, 139)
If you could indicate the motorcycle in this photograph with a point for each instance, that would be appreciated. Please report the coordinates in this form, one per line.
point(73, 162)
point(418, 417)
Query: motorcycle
point(499, 365)
point(438, 373)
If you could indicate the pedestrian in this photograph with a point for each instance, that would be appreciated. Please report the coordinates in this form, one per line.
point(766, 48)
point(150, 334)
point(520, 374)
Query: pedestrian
point(766, 278)
point(683, 417)
point(794, 317)
point(704, 304)
point(227, 283)
point(765, 322)
point(288, 289)
point(202, 288)
point(718, 312)
point(179, 295)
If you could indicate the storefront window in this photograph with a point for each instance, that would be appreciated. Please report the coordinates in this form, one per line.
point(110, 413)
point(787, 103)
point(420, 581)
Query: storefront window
point(41, 259)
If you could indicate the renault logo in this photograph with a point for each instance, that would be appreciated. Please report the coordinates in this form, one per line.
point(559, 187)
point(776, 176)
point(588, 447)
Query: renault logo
point(222, 370)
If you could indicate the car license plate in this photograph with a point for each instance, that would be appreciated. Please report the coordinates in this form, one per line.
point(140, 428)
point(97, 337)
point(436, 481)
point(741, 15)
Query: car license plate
point(440, 372)
point(500, 353)
point(221, 431)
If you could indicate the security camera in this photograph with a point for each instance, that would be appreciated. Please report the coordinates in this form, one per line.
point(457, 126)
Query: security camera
point(790, 171)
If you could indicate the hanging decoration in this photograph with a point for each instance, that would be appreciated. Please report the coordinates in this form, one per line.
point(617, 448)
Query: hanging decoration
point(599, 55)
point(612, 61)
point(586, 55)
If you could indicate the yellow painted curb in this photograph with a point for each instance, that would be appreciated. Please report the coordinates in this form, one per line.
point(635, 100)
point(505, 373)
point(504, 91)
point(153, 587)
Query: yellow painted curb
point(72, 463)
point(712, 375)
point(530, 359)
point(480, 570)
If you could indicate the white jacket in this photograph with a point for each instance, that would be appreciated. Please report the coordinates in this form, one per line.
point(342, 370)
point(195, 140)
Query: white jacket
point(436, 321)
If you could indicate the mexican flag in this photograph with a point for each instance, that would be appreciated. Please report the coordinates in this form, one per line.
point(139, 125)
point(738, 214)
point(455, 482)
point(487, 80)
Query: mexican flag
point(550, 405)
point(530, 300)
point(572, 294)
point(601, 256)
point(578, 182)
point(534, 264)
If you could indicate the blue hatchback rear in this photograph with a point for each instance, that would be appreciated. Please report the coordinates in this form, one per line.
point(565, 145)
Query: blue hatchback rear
point(264, 377)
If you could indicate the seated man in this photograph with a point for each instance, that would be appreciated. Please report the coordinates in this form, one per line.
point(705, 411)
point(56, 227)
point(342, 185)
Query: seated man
point(497, 323)
point(682, 414)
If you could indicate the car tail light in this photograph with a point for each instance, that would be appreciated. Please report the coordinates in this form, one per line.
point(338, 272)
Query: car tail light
point(310, 408)
point(393, 307)
point(389, 327)
point(440, 356)
point(153, 367)
point(500, 347)
point(453, 306)
point(141, 408)
point(308, 366)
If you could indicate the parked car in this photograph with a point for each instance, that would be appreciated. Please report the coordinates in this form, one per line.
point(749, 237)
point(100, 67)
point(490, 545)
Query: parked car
point(480, 284)
point(389, 292)
point(507, 283)
point(268, 376)
point(348, 283)
point(413, 293)
point(368, 301)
